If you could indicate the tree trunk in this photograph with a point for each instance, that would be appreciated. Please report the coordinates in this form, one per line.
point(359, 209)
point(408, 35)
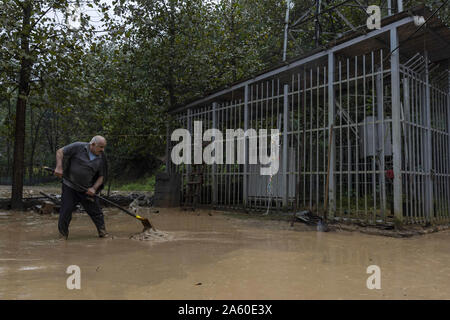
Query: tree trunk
point(30, 163)
point(8, 141)
point(21, 106)
point(172, 31)
point(34, 139)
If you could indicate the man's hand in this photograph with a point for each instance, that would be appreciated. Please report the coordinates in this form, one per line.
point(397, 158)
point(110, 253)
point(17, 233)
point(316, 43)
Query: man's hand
point(58, 172)
point(91, 192)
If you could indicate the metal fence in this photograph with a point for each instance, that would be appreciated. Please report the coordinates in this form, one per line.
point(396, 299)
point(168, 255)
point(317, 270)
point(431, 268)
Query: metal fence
point(389, 150)
point(32, 176)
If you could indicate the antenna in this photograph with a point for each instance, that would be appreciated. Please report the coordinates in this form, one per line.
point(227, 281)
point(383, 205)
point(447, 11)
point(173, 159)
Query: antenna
point(317, 10)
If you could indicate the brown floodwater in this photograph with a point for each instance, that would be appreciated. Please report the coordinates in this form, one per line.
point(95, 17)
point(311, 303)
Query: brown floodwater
point(211, 255)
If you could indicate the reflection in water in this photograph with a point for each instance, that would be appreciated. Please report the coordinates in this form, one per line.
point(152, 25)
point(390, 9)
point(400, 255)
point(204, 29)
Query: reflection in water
point(232, 258)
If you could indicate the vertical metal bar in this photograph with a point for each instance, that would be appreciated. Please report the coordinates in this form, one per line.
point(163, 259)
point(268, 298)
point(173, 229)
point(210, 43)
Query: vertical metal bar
point(310, 139)
point(447, 171)
point(239, 165)
point(189, 120)
point(316, 109)
point(272, 115)
point(413, 144)
point(364, 136)
point(442, 154)
point(228, 165)
point(357, 135)
point(304, 138)
point(245, 176)
point(220, 177)
point(257, 99)
point(331, 116)
point(285, 144)
point(324, 130)
point(168, 168)
point(297, 158)
point(349, 143)
point(421, 149)
point(434, 146)
point(252, 102)
point(428, 154)
point(261, 117)
point(374, 140)
point(341, 142)
point(214, 166)
point(441, 150)
point(292, 175)
point(202, 118)
point(279, 116)
point(443, 159)
point(381, 134)
point(235, 161)
point(400, 5)
point(406, 101)
point(396, 125)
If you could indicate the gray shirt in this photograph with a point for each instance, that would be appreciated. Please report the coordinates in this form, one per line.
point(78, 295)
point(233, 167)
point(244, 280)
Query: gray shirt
point(82, 170)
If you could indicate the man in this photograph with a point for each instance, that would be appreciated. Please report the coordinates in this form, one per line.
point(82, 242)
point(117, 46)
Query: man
point(84, 164)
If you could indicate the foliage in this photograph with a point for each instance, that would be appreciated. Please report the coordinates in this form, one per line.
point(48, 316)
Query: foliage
point(153, 56)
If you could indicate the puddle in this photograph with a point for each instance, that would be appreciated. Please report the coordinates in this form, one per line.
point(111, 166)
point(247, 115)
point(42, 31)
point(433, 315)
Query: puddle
point(232, 258)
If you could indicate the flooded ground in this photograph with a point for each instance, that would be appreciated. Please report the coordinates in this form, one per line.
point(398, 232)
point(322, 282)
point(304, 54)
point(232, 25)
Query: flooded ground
point(213, 255)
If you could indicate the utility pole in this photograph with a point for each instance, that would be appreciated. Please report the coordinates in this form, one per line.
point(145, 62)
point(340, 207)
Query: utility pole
point(317, 24)
point(286, 27)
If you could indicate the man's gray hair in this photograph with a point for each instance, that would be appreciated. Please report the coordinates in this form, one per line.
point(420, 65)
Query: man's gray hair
point(96, 139)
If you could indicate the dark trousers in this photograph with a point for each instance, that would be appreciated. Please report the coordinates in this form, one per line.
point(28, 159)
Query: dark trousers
point(70, 198)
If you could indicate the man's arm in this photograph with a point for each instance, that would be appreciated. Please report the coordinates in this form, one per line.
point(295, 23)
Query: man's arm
point(59, 159)
point(91, 191)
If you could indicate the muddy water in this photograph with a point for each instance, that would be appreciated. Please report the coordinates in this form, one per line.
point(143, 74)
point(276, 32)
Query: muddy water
point(211, 255)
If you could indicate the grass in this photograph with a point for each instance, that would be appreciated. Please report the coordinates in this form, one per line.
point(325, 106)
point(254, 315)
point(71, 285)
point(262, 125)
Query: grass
point(143, 184)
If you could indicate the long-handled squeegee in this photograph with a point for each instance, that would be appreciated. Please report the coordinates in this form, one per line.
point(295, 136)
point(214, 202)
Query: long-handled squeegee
point(145, 221)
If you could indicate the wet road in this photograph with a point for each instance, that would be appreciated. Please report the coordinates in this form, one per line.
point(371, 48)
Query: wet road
point(210, 255)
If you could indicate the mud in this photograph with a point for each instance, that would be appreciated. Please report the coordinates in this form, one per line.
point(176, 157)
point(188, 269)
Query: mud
point(152, 235)
point(232, 258)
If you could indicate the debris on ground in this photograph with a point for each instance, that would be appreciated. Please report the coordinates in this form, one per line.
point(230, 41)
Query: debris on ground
point(152, 235)
point(310, 219)
point(404, 232)
point(48, 207)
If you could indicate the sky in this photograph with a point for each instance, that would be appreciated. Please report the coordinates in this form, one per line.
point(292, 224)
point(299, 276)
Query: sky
point(94, 14)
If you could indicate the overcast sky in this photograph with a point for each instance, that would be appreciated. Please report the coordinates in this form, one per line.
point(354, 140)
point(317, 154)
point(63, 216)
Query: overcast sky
point(94, 13)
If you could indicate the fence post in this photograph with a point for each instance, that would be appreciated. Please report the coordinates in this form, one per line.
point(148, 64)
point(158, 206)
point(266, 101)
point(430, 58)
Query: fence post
point(429, 207)
point(381, 139)
point(285, 144)
point(396, 124)
point(331, 115)
point(448, 132)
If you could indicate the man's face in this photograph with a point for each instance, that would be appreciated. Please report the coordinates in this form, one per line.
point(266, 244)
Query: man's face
point(98, 148)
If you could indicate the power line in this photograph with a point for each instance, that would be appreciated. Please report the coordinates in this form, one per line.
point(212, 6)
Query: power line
point(417, 30)
point(321, 13)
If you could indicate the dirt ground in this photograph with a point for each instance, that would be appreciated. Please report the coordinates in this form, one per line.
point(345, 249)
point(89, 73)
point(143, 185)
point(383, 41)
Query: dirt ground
point(214, 255)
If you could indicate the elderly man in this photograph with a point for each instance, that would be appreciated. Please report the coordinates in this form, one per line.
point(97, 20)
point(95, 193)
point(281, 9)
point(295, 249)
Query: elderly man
point(85, 164)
